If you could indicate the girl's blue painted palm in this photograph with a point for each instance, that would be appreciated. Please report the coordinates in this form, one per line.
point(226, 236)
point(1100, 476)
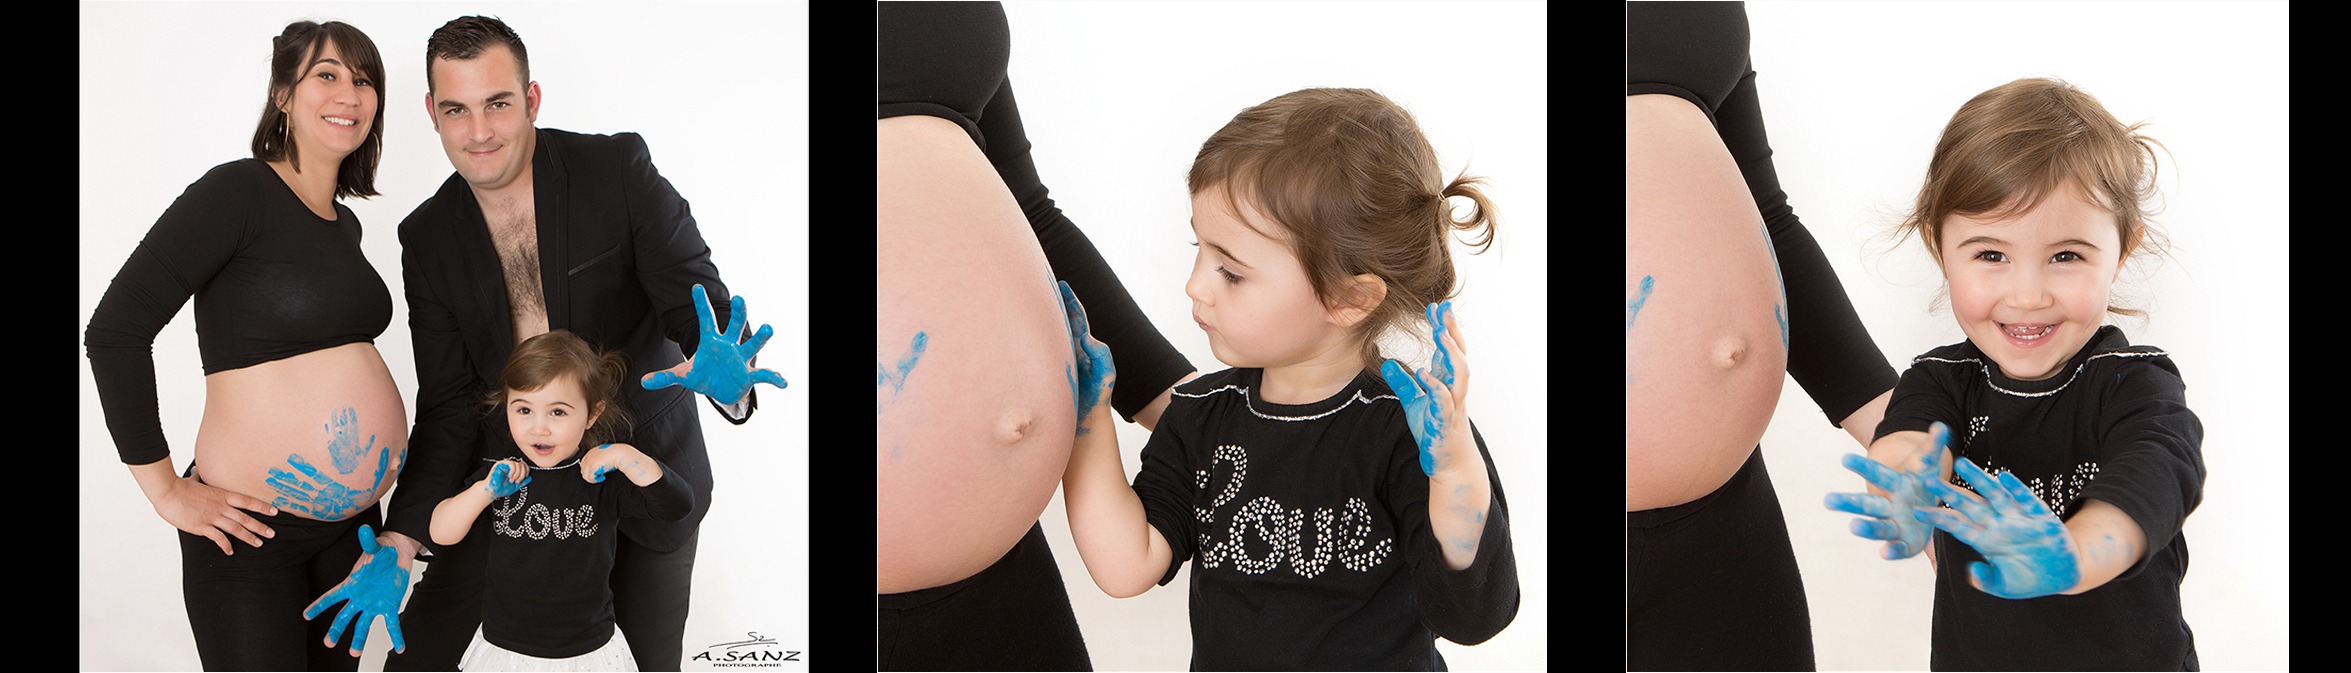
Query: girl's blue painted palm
point(500, 482)
point(374, 589)
point(721, 368)
point(1424, 409)
point(1091, 373)
point(2027, 552)
point(1890, 517)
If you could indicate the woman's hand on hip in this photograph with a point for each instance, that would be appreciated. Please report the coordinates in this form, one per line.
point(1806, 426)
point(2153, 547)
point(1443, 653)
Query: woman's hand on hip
point(200, 509)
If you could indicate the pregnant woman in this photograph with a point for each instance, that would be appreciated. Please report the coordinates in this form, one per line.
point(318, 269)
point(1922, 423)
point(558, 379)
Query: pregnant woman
point(1724, 290)
point(974, 410)
point(303, 429)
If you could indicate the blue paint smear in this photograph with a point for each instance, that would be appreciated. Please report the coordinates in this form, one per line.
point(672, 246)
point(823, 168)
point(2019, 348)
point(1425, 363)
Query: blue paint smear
point(345, 449)
point(314, 493)
point(1632, 309)
point(1776, 315)
point(884, 377)
point(374, 590)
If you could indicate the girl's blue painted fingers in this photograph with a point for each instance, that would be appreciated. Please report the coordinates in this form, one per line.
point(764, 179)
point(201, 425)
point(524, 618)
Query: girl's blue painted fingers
point(501, 482)
point(1442, 363)
point(1890, 520)
point(721, 368)
point(375, 589)
point(1423, 413)
point(2027, 552)
point(1092, 373)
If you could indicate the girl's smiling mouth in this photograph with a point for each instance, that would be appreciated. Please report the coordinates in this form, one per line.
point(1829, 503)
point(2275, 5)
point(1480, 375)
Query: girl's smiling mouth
point(2027, 335)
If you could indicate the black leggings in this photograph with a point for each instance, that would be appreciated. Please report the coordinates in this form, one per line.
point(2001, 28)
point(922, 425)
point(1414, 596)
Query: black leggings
point(1712, 585)
point(649, 600)
point(246, 609)
point(1013, 616)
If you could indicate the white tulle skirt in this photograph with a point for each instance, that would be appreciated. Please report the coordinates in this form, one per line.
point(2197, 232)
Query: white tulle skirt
point(483, 656)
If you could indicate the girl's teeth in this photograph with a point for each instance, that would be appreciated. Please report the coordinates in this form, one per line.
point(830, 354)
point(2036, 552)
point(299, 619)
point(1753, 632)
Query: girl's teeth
point(2030, 333)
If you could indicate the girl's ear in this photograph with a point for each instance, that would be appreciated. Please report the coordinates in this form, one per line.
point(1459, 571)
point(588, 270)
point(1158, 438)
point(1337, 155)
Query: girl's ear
point(1361, 295)
point(598, 413)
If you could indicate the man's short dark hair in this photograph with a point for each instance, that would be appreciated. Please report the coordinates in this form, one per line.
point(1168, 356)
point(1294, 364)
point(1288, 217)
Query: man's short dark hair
point(464, 39)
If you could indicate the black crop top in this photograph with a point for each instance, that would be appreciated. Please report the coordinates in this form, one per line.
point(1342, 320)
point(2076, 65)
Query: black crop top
point(271, 281)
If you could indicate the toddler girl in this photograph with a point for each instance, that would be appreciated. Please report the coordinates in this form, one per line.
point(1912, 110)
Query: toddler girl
point(547, 603)
point(2065, 552)
point(1335, 520)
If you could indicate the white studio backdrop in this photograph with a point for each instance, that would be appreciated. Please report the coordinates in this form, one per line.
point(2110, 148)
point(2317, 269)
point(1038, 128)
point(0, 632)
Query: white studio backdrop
point(169, 90)
point(1855, 94)
point(1117, 98)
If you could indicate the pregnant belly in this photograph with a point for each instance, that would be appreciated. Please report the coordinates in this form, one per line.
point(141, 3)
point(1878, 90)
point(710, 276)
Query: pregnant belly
point(320, 435)
point(972, 407)
point(1705, 321)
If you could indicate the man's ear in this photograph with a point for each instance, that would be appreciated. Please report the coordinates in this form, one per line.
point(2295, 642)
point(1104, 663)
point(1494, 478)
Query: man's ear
point(1360, 296)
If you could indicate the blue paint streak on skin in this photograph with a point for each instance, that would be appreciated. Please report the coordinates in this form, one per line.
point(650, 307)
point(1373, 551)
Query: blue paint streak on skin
point(1632, 309)
point(721, 367)
point(500, 483)
point(1422, 412)
point(345, 449)
point(1783, 283)
point(2026, 551)
point(320, 496)
point(374, 589)
point(896, 382)
point(1092, 373)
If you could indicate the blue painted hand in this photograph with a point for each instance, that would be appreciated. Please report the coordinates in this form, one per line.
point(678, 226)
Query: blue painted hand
point(501, 482)
point(2028, 551)
point(1889, 515)
point(1091, 374)
point(314, 493)
point(721, 368)
point(1429, 407)
point(374, 589)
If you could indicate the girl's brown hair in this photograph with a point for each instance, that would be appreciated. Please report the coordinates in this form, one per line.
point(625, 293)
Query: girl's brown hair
point(2010, 147)
point(291, 54)
point(538, 360)
point(1356, 186)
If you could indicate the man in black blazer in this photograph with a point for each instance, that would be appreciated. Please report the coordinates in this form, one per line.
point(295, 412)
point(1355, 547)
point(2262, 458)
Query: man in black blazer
point(542, 229)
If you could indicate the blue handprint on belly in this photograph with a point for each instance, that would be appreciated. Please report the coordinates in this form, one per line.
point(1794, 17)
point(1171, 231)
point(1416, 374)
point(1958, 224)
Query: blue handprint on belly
point(319, 496)
point(346, 448)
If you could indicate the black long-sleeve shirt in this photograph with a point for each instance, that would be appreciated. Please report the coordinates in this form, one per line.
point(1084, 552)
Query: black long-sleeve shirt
point(947, 60)
point(2112, 425)
point(1308, 526)
point(271, 281)
point(548, 590)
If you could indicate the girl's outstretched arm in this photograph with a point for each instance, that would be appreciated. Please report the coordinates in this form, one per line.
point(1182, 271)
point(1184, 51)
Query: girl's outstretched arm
point(1123, 552)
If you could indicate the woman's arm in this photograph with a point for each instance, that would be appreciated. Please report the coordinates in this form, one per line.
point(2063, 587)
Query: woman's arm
point(1122, 551)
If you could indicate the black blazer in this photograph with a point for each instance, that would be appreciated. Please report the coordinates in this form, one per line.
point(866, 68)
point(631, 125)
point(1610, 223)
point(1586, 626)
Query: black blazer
point(619, 254)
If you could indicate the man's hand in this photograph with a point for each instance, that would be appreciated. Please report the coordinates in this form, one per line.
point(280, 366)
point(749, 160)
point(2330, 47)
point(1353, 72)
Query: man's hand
point(374, 588)
point(721, 368)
